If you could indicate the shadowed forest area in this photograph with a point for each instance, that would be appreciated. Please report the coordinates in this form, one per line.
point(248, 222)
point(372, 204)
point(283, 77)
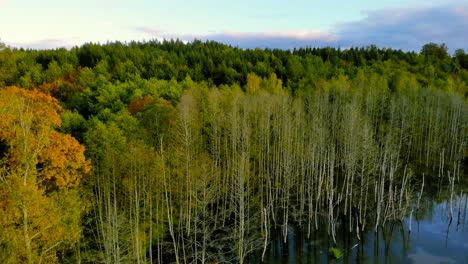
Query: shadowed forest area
point(172, 152)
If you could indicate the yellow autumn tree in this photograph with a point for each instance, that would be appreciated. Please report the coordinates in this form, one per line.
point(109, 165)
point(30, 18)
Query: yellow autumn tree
point(40, 169)
point(253, 83)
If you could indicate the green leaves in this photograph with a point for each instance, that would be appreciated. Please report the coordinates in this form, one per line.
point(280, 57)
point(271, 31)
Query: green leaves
point(335, 253)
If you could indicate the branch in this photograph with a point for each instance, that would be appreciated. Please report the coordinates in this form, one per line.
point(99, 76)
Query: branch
point(50, 248)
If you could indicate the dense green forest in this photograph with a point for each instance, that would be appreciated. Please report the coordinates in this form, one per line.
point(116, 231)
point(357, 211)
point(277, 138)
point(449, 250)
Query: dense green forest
point(172, 152)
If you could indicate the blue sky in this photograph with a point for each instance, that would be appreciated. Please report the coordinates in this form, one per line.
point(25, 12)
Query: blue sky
point(246, 23)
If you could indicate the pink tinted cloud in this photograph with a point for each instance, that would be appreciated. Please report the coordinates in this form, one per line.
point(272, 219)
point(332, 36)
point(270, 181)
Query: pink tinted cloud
point(292, 34)
point(275, 39)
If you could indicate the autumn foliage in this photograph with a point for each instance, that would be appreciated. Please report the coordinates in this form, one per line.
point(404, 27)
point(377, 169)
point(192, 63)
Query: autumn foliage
point(60, 156)
point(138, 105)
point(39, 210)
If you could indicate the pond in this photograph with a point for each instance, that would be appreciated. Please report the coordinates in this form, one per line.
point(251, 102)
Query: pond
point(434, 238)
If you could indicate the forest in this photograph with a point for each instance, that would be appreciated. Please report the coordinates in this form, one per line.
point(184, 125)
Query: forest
point(173, 152)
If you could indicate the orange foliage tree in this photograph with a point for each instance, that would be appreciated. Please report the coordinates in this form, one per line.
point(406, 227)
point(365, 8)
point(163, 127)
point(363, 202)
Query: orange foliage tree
point(40, 169)
point(138, 105)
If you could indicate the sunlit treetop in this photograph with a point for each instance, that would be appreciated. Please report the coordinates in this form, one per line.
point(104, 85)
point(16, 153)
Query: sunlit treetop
point(28, 120)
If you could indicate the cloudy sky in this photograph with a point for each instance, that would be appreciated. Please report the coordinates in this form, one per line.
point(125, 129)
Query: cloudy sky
point(283, 24)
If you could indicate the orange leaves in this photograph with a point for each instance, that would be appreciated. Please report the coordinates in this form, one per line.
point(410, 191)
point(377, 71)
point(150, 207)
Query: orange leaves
point(27, 122)
point(39, 108)
point(63, 160)
point(45, 108)
point(138, 105)
point(51, 87)
point(35, 217)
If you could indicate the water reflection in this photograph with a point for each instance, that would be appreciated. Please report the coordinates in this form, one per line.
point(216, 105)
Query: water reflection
point(433, 239)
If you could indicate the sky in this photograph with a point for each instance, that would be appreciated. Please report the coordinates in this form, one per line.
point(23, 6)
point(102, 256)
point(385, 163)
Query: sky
point(284, 24)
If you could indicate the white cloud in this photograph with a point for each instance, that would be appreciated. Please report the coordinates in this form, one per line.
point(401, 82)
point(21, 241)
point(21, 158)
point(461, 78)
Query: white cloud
point(303, 35)
point(278, 39)
point(50, 43)
point(407, 28)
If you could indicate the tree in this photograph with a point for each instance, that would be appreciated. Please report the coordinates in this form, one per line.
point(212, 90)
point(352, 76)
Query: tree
point(462, 58)
point(435, 52)
point(40, 167)
point(253, 83)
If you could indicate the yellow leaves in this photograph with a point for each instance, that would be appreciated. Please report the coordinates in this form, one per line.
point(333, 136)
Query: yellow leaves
point(253, 83)
point(51, 87)
point(24, 117)
point(272, 85)
point(35, 217)
point(27, 120)
point(49, 219)
point(43, 107)
point(3, 201)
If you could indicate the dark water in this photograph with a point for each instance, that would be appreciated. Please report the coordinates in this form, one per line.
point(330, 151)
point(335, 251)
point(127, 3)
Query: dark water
point(433, 239)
